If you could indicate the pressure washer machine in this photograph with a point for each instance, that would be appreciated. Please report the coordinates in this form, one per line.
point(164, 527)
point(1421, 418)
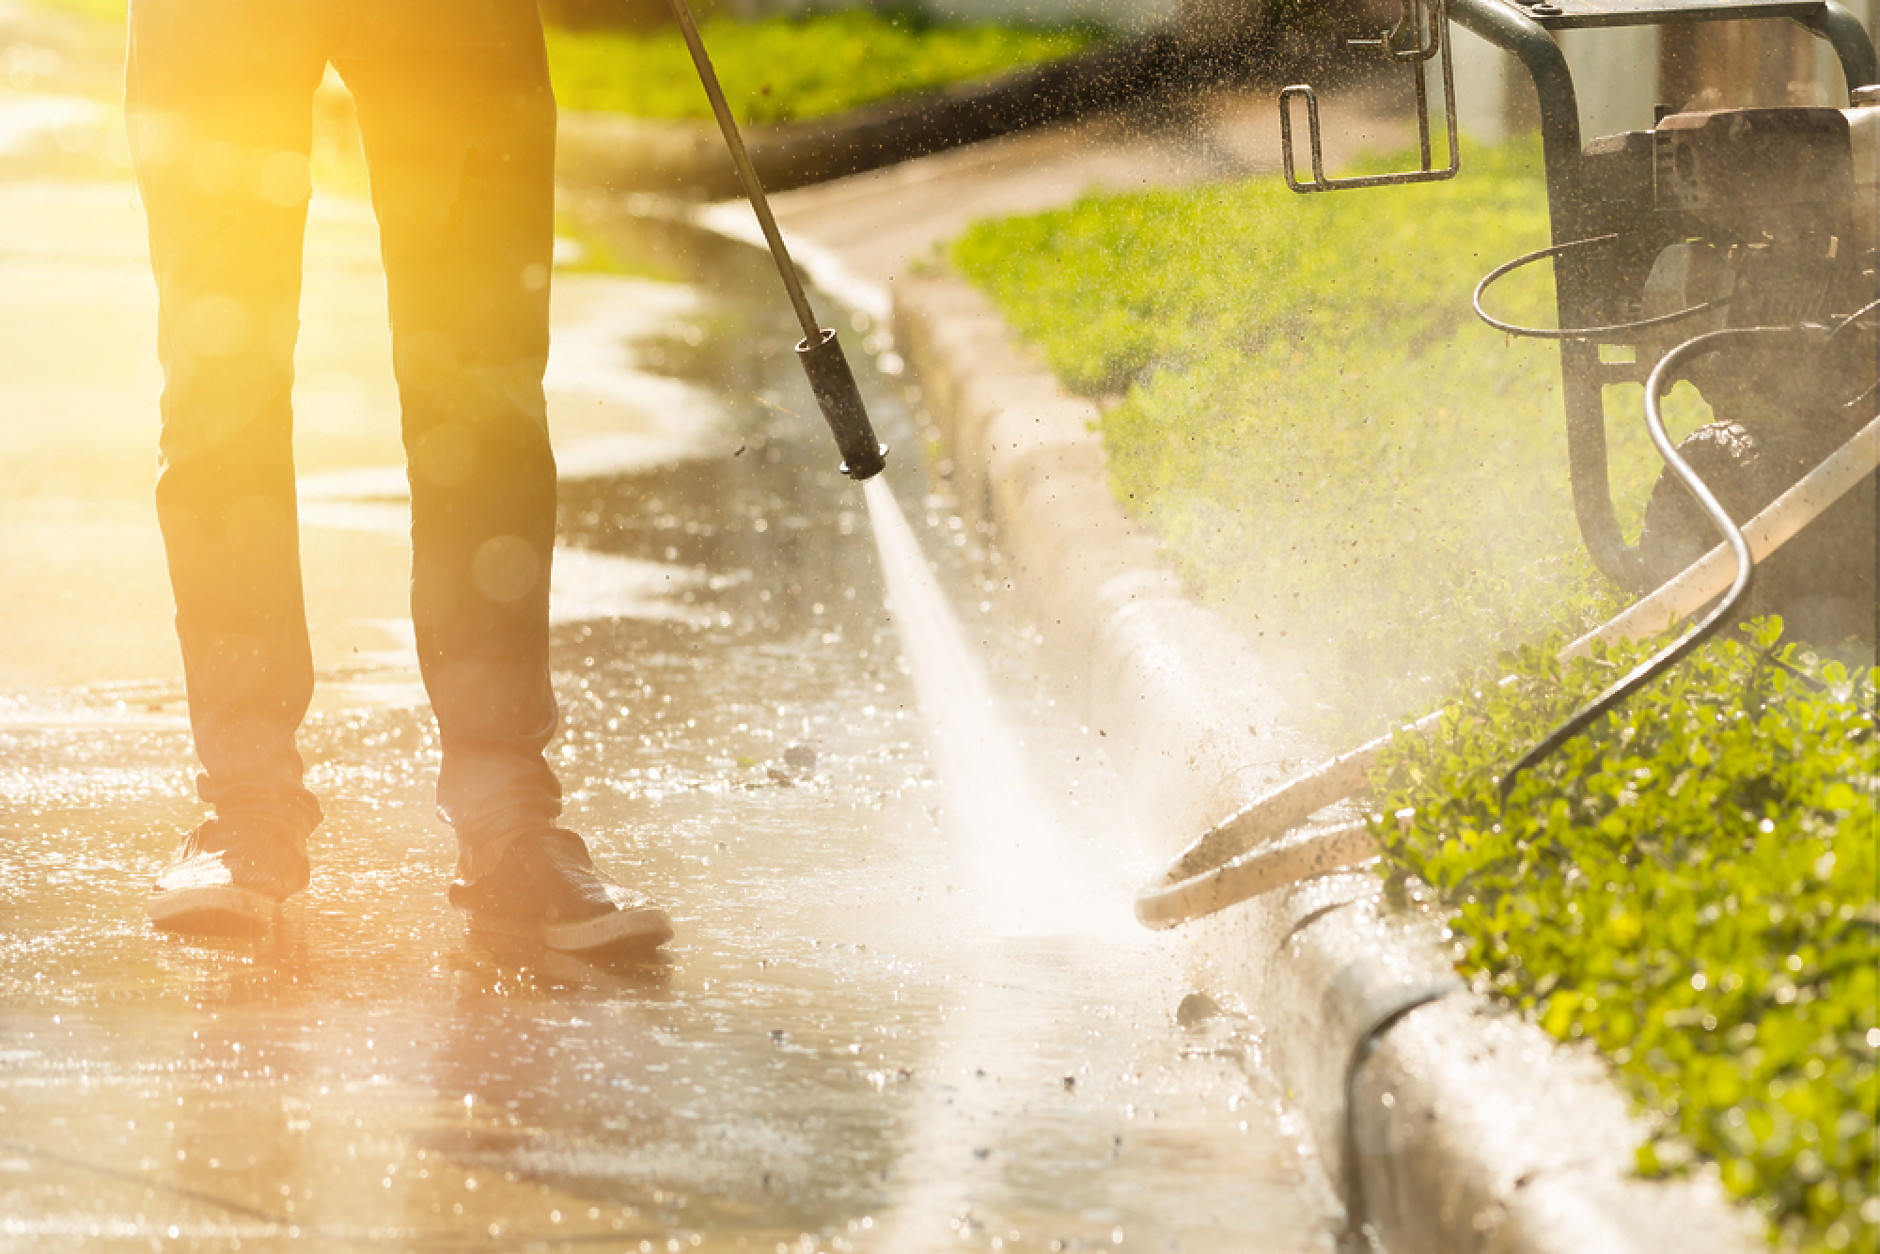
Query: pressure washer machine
point(1732, 249)
point(1758, 220)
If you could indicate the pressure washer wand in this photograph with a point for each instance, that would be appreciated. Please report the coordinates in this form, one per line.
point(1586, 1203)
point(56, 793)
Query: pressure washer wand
point(828, 370)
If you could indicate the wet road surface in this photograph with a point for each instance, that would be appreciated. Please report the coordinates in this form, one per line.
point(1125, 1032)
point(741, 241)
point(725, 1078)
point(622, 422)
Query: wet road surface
point(855, 1042)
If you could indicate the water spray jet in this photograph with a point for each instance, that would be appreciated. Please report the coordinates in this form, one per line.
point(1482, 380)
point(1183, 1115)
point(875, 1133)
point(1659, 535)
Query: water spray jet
point(1008, 839)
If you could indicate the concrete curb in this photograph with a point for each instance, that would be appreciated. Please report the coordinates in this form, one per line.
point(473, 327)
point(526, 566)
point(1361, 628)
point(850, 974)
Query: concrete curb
point(1448, 1126)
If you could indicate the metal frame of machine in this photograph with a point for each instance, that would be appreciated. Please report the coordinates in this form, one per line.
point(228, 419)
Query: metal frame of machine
point(1579, 213)
point(1585, 189)
point(1735, 248)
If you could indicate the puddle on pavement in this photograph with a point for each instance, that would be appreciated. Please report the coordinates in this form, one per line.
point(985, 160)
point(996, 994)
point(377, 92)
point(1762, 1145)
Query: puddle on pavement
point(842, 1050)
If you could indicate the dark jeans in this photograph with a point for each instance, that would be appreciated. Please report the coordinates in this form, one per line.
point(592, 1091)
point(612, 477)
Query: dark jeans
point(459, 127)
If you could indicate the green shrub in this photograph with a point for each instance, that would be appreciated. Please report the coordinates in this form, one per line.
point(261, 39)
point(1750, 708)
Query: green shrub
point(786, 69)
point(779, 69)
point(1691, 886)
point(1336, 453)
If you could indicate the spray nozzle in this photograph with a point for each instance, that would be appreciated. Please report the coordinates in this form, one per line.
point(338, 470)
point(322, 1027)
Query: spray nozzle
point(841, 401)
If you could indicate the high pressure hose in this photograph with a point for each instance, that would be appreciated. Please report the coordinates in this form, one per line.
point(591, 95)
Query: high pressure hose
point(1573, 333)
point(1661, 377)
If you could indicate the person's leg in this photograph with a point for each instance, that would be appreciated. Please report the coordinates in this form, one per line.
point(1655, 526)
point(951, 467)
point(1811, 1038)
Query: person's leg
point(218, 106)
point(459, 127)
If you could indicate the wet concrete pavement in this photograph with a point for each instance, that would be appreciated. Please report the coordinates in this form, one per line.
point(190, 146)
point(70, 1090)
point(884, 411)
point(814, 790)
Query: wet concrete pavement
point(856, 1041)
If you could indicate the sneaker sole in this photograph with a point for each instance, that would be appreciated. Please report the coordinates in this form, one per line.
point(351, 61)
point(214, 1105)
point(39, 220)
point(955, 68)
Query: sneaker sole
point(632, 928)
point(637, 927)
point(212, 910)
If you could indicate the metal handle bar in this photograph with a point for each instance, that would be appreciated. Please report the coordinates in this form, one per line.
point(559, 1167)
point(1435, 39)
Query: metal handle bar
point(1417, 17)
point(1412, 20)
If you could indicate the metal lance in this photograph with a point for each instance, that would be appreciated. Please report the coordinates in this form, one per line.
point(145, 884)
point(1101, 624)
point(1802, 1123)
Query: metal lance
point(819, 351)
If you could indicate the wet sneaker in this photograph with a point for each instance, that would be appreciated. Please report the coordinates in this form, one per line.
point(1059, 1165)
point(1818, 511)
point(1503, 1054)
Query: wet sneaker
point(231, 875)
point(542, 886)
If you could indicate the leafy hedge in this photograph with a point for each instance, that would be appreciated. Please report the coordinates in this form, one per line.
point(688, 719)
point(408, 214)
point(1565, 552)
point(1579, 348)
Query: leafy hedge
point(780, 69)
point(790, 68)
point(1338, 455)
point(1691, 886)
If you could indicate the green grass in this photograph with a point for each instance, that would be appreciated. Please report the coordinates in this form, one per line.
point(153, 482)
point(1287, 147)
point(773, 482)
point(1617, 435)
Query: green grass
point(788, 69)
point(1332, 448)
point(1692, 887)
point(780, 69)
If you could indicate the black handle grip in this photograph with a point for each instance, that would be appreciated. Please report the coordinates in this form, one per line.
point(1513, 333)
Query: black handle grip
point(841, 401)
